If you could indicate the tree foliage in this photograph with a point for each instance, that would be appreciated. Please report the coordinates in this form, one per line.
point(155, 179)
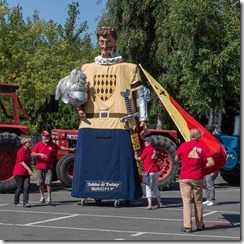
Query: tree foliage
point(191, 47)
point(40, 53)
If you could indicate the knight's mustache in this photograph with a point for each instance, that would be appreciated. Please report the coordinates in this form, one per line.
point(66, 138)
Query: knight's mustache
point(108, 53)
point(108, 49)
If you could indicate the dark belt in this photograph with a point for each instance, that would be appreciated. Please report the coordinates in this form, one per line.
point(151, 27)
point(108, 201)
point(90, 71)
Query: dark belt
point(105, 115)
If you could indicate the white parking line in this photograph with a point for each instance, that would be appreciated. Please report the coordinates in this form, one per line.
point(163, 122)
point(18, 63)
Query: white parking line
point(111, 216)
point(168, 208)
point(213, 212)
point(3, 204)
point(133, 233)
point(130, 231)
point(139, 234)
point(50, 220)
point(6, 224)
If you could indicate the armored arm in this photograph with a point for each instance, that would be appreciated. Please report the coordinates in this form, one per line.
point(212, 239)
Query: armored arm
point(142, 96)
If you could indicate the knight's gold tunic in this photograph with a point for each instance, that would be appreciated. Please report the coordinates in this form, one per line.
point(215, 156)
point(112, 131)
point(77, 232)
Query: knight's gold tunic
point(104, 98)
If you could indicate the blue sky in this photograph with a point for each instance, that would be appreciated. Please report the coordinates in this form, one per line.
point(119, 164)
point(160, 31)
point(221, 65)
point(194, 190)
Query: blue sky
point(57, 11)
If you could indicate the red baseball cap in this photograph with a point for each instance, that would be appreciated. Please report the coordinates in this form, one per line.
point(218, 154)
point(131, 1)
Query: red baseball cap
point(45, 133)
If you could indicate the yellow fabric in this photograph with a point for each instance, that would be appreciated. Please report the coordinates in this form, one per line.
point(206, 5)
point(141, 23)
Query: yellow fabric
point(105, 84)
point(173, 112)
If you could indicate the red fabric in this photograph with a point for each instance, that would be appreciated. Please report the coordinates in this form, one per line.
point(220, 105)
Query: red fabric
point(216, 149)
point(50, 150)
point(146, 156)
point(23, 154)
point(193, 155)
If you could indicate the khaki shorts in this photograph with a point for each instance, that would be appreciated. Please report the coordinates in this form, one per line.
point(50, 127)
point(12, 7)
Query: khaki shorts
point(44, 176)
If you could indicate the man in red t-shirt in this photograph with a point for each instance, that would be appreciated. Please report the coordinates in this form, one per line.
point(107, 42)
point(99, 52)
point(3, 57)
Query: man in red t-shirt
point(45, 152)
point(194, 157)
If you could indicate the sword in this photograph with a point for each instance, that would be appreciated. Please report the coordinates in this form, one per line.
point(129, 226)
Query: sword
point(131, 120)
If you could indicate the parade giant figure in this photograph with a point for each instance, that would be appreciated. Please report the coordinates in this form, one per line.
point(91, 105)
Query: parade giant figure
point(104, 166)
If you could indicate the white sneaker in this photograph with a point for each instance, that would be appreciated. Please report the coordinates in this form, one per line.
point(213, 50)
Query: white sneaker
point(49, 200)
point(206, 202)
point(42, 200)
point(211, 204)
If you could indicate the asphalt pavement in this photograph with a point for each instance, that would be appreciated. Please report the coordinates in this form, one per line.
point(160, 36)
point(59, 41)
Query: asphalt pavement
point(67, 220)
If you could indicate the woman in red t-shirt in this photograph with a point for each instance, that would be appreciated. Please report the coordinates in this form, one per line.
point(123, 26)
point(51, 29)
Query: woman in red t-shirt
point(151, 167)
point(22, 172)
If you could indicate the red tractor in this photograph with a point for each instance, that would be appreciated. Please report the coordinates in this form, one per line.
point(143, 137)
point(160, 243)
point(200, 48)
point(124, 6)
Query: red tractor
point(166, 142)
point(11, 114)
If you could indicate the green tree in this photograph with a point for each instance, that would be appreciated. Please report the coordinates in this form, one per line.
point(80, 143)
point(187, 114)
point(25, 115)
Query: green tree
point(205, 48)
point(191, 47)
point(40, 53)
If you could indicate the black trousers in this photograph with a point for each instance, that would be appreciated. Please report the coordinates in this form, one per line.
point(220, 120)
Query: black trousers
point(23, 185)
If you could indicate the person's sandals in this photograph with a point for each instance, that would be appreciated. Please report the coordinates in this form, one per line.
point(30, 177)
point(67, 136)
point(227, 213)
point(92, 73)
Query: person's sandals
point(160, 205)
point(148, 208)
point(201, 228)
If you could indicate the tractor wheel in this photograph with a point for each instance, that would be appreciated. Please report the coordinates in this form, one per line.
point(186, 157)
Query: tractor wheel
point(169, 169)
point(231, 178)
point(9, 145)
point(64, 169)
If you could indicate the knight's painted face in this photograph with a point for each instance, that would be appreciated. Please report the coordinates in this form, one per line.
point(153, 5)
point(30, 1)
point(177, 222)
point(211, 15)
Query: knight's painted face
point(107, 45)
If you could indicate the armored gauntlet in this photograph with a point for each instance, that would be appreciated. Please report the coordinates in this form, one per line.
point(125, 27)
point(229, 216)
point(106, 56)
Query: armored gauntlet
point(142, 98)
point(73, 88)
